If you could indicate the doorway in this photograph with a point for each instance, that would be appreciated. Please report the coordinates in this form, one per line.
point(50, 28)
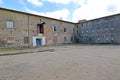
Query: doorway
point(38, 42)
point(40, 28)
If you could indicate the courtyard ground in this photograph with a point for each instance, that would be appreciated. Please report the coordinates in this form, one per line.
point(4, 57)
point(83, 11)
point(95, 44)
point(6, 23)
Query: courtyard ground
point(75, 62)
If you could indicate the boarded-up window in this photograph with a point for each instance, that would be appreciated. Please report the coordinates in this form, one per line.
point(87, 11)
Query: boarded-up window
point(10, 39)
point(9, 24)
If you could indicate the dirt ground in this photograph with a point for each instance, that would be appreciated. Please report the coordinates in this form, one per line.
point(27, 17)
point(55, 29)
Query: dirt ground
point(65, 63)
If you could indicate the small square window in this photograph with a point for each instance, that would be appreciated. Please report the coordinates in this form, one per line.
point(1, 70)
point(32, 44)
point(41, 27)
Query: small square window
point(9, 24)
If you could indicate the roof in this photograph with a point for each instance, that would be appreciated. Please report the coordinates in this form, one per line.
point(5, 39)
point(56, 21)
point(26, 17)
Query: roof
point(35, 15)
point(102, 17)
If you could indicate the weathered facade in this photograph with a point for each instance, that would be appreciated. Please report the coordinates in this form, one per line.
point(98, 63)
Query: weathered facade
point(18, 29)
point(101, 31)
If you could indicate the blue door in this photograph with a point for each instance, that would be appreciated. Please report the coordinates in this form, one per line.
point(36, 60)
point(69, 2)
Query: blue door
point(38, 42)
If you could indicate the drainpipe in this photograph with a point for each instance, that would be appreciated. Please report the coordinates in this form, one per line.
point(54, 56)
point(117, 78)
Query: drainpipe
point(28, 33)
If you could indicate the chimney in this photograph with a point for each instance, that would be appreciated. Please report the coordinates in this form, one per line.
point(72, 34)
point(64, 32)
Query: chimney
point(82, 21)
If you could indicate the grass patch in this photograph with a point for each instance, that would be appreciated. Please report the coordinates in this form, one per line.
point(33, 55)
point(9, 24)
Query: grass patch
point(6, 49)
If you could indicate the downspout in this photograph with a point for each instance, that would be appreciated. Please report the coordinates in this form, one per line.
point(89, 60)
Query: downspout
point(28, 32)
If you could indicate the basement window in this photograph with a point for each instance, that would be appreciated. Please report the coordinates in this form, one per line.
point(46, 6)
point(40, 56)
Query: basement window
point(9, 24)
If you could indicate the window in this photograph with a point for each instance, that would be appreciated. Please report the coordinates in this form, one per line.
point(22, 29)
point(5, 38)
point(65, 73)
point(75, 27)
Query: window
point(112, 37)
point(98, 29)
point(65, 29)
point(73, 30)
point(87, 31)
point(112, 19)
point(92, 24)
point(54, 28)
point(112, 28)
point(106, 28)
point(86, 35)
point(106, 20)
point(40, 28)
point(106, 38)
point(93, 30)
point(97, 22)
point(26, 40)
point(9, 24)
point(98, 38)
point(65, 39)
point(82, 32)
point(82, 25)
point(86, 24)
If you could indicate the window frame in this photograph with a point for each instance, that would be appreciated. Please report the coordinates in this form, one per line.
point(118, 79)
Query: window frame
point(10, 24)
point(26, 40)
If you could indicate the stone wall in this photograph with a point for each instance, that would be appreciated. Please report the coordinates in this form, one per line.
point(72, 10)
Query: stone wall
point(25, 26)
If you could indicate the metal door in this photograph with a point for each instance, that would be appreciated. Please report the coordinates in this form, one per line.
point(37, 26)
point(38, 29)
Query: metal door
point(38, 42)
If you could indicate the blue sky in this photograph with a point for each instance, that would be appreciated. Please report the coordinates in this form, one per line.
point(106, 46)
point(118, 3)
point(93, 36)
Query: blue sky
point(69, 10)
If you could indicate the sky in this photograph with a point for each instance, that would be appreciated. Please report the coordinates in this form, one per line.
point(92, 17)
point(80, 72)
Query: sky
point(68, 10)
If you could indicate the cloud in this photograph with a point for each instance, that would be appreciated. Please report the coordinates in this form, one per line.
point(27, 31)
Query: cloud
point(94, 9)
point(35, 2)
point(58, 14)
point(111, 8)
point(66, 1)
point(1, 1)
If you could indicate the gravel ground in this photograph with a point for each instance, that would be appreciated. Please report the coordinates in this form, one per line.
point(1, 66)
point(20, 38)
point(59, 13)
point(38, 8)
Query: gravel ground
point(64, 63)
